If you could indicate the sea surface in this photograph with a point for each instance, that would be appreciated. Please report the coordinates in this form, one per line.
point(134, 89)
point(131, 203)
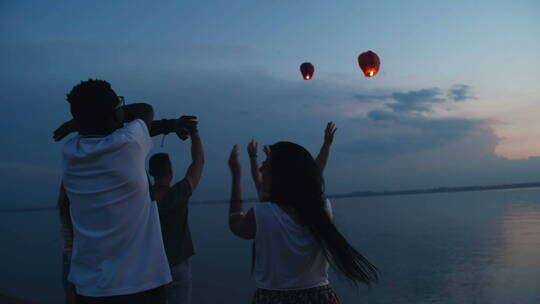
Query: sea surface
point(468, 247)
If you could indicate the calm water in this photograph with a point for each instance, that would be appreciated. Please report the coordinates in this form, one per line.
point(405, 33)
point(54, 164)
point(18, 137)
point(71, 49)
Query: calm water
point(476, 247)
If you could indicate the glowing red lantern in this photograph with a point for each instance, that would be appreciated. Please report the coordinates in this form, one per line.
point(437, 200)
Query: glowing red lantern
point(369, 62)
point(307, 69)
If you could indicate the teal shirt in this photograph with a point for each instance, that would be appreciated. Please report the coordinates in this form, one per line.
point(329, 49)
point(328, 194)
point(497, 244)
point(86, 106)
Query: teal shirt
point(173, 215)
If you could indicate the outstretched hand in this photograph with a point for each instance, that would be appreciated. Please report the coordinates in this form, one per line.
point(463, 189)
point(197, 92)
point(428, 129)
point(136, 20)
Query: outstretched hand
point(266, 149)
point(234, 162)
point(252, 148)
point(329, 133)
point(64, 130)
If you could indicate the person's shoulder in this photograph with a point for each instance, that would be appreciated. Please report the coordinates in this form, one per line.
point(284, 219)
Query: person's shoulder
point(182, 189)
point(135, 132)
point(137, 126)
point(72, 141)
point(70, 146)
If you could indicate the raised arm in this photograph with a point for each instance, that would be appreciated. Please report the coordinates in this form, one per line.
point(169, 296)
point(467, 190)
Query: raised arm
point(322, 158)
point(181, 126)
point(63, 205)
point(241, 225)
point(139, 111)
point(65, 218)
point(254, 165)
point(142, 111)
point(195, 169)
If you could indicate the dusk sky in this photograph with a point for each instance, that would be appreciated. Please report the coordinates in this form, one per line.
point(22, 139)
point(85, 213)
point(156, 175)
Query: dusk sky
point(456, 101)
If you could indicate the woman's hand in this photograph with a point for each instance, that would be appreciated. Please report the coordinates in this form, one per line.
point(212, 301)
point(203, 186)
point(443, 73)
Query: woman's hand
point(329, 133)
point(266, 149)
point(234, 162)
point(252, 148)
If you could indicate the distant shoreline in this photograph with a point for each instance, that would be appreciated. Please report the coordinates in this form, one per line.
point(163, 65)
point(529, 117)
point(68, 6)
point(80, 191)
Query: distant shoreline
point(406, 192)
point(346, 195)
point(437, 190)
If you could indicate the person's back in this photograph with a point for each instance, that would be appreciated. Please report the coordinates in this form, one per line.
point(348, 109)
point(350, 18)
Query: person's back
point(118, 247)
point(287, 256)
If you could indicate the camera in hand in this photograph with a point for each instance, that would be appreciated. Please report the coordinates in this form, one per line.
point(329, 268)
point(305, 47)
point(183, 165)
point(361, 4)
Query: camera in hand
point(185, 126)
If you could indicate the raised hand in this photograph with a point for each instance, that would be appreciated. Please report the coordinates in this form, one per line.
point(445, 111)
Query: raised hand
point(266, 149)
point(252, 148)
point(329, 133)
point(234, 162)
point(185, 126)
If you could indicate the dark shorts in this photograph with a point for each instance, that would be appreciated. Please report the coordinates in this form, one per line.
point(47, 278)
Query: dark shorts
point(316, 295)
point(152, 296)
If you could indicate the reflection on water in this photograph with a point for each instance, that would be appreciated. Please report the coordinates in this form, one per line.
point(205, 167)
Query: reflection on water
point(521, 236)
point(478, 247)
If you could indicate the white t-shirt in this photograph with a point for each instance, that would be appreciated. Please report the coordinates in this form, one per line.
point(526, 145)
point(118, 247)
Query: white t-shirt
point(287, 256)
point(117, 246)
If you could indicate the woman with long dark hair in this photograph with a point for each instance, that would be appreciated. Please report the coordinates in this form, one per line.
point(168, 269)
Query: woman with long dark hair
point(295, 237)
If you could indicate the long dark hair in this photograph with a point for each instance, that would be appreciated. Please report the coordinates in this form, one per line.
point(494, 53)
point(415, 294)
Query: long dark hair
point(297, 181)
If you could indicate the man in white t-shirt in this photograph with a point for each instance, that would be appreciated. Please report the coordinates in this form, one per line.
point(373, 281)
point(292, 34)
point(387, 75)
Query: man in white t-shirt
point(118, 254)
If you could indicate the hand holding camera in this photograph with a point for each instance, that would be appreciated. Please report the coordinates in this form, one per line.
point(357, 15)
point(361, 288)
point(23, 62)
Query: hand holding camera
point(185, 126)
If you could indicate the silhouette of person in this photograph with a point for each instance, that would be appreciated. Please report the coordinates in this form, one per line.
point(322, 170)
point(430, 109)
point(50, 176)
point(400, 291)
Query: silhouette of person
point(295, 237)
point(118, 254)
point(172, 204)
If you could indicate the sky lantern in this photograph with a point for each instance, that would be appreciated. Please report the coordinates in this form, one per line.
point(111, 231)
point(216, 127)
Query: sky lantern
point(369, 62)
point(307, 69)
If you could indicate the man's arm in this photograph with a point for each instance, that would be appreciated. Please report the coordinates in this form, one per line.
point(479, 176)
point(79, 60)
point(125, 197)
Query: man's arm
point(131, 112)
point(65, 218)
point(157, 127)
point(322, 158)
point(65, 129)
point(142, 111)
point(195, 169)
point(181, 126)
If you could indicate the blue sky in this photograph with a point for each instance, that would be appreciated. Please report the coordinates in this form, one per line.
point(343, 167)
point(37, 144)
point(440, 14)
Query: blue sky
point(456, 101)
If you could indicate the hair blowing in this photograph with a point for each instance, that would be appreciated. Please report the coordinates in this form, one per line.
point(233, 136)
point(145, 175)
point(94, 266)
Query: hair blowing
point(297, 181)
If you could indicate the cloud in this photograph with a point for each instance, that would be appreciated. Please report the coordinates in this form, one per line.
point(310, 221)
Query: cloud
point(460, 92)
point(370, 97)
point(420, 100)
point(409, 126)
point(394, 133)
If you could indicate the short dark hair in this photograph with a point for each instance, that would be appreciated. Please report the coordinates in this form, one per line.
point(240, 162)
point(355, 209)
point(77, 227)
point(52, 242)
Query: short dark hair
point(92, 98)
point(159, 165)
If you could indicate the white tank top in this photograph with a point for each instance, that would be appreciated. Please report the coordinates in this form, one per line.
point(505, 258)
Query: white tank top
point(287, 255)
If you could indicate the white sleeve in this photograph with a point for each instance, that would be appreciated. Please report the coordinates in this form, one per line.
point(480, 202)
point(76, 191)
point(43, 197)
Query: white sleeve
point(329, 209)
point(138, 132)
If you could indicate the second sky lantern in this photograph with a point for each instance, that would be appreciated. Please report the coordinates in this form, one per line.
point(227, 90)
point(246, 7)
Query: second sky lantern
point(369, 62)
